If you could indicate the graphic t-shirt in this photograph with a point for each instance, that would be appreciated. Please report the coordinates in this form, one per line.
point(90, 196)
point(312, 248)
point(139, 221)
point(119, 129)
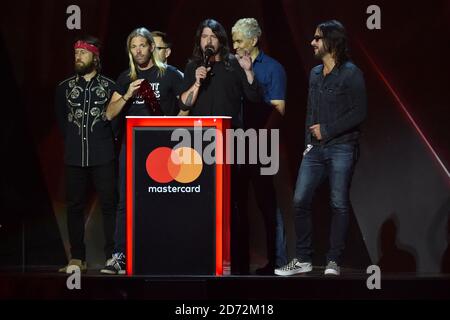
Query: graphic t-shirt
point(166, 88)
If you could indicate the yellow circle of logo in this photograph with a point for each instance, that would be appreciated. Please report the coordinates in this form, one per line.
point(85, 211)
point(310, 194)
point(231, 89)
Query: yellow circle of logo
point(183, 165)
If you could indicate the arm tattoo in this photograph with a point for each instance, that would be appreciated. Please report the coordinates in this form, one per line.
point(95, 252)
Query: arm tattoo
point(189, 99)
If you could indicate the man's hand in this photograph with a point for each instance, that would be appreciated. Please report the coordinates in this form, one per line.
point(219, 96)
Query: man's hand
point(315, 131)
point(201, 73)
point(132, 89)
point(245, 61)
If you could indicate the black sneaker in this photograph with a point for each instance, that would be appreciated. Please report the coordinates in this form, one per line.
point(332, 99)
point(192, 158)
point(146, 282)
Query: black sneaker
point(115, 265)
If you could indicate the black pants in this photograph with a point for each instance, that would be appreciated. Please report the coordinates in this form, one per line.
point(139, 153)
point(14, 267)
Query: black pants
point(77, 181)
point(121, 218)
point(265, 195)
point(239, 239)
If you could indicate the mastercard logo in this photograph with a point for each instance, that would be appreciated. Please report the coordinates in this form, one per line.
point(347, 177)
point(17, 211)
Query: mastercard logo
point(183, 165)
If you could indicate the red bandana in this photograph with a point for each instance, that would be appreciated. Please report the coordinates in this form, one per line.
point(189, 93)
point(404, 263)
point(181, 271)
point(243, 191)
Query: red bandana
point(89, 47)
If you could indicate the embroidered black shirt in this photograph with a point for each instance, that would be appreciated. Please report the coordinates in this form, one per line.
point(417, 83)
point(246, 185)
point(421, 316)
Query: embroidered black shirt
point(81, 115)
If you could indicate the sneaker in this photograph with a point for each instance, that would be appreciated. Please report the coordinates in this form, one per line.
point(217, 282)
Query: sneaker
point(82, 265)
point(294, 267)
point(115, 265)
point(332, 268)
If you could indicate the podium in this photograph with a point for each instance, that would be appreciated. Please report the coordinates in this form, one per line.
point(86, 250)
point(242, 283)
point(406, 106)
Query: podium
point(177, 196)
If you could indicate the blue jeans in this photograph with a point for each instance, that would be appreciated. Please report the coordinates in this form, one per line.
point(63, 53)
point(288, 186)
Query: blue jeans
point(337, 163)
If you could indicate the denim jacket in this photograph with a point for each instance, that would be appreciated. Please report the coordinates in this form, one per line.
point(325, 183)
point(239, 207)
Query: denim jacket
point(337, 102)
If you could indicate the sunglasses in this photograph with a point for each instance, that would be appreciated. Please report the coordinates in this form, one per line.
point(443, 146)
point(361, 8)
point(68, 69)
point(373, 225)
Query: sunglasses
point(317, 38)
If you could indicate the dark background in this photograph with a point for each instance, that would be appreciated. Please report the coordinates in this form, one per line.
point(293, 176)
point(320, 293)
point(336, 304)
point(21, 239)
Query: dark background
point(401, 186)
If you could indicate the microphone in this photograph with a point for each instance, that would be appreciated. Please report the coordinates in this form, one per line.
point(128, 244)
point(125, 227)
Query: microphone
point(209, 52)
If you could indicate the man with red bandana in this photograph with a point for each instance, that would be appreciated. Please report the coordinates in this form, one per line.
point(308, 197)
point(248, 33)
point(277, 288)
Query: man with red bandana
point(80, 103)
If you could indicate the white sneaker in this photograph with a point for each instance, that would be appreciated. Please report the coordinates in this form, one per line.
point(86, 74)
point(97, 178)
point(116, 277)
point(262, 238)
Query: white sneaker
point(115, 265)
point(332, 269)
point(294, 267)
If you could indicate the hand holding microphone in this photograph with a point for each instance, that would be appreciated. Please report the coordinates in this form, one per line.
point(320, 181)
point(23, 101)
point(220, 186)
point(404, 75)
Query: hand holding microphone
point(202, 72)
point(209, 52)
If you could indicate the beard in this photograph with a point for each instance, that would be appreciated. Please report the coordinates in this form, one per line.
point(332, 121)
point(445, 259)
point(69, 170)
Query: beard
point(142, 60)
point(82, 69)
point(321, 52)
point(214, 50)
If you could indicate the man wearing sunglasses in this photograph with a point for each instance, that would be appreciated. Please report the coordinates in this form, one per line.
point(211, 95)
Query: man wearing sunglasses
point(163, 45)
point(336, 107)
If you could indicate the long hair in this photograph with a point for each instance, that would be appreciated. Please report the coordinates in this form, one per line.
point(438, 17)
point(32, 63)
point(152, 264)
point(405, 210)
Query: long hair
point(145, 33)
point(335, 40)
point(219, 31)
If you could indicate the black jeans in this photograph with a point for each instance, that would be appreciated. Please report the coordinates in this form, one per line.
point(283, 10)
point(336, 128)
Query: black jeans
point(120, 234)
point(77, 179)
point(265, 195)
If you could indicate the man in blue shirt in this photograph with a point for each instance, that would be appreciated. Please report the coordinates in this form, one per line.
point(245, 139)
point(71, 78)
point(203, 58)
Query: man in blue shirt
point(267, 115)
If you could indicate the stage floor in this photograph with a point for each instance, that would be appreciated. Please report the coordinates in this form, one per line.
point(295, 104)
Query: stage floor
point(43, 283)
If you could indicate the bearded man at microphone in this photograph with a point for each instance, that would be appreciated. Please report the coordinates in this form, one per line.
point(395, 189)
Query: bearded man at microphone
point(215, 84)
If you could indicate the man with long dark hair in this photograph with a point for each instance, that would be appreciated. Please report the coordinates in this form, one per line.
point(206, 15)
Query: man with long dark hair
point(80, 103)
point(336, 107)
point(217, 89)
point(216, 86)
